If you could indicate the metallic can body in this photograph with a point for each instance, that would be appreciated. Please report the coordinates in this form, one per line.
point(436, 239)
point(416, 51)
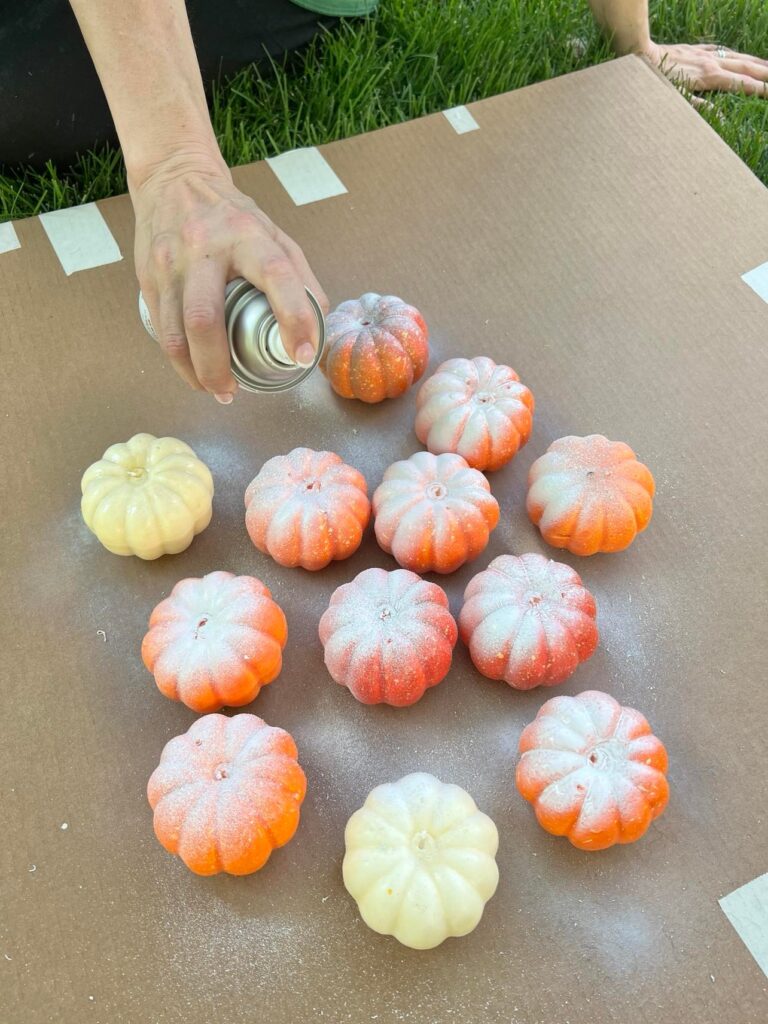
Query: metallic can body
point(258, 359)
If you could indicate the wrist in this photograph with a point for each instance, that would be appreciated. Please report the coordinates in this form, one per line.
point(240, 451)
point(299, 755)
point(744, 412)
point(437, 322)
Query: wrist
point(632, 42)
point(625, 24)
point(632, 39)
point(174, 156)
point(651, 50)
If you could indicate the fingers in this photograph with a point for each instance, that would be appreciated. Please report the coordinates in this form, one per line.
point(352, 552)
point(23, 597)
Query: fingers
point(268, 266)
point(748, 57)
point(748, 85)
point(202, 238)
point(701, 104)
point(725, 75)
point(299, 260)
point(746, 66)
point(731, 54)
point(204, 327)
point(170, 331)
point(731, 81)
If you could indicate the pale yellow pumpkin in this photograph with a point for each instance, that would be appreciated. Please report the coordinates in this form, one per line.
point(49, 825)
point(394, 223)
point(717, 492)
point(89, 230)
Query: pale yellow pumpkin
point(147, 497)
point(420, 860)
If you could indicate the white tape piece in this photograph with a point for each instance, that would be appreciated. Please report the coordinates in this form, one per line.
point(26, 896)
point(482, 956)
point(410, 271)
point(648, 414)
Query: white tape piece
point(80, 238)
point(461, 120)
point(9, 240)
point(757, 280)
point(306, 175)
point(747, 910)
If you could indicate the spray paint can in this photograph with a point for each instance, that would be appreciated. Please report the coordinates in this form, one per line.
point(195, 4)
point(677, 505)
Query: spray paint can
point(257, 356)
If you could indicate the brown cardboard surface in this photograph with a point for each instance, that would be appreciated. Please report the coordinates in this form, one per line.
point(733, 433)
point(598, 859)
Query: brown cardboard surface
point(592, 233)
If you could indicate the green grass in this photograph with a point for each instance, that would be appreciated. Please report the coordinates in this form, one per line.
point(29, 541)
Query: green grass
point(411, 59)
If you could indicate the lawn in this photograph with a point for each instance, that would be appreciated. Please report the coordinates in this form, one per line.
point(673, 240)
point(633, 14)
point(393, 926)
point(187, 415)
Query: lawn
point(413, 58)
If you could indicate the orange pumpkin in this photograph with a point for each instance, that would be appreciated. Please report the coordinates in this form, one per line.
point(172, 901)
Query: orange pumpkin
point(476, 408)
point(376, 347)
point(528, 621)
point(215, 641)
point(593, 770)
point(388, 636)
point(307, 508)
point(434, 512)
point(589, 494)
point(226, 793)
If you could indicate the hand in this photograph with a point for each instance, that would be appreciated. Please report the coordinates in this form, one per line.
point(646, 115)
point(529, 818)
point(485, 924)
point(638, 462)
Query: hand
point(195, 232)
point(701, 69)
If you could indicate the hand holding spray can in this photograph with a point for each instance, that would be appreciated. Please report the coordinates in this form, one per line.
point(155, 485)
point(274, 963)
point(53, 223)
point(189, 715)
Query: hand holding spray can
point(258, 358)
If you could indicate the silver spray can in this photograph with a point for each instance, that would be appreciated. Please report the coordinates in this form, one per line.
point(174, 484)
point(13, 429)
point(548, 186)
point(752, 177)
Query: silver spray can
point(257, 356)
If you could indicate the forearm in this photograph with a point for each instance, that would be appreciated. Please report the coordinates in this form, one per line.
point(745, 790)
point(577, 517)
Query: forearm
point(146, 61)
point(625, 23)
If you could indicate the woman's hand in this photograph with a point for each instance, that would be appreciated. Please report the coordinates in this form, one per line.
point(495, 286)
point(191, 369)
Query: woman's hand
point(705, 68)
point(195, 232)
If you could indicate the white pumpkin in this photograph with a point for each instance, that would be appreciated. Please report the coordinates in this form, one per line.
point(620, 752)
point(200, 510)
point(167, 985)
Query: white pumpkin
point(420, 860)
point(148, 497)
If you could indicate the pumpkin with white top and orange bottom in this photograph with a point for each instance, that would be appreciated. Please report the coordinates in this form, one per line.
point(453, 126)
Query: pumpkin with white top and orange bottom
point(215, 641)
point(593, 770)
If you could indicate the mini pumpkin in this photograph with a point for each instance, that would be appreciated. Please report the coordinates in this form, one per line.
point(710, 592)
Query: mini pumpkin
point(226, 793)
point(589, 494)
point(376, 347)
point(434, 512)
point(476, 408)
point(528, 620)
point(420, 860)
point(147, 497)
point(307, 508)
point(388, 636)
point(593, 770)
point(215, 641)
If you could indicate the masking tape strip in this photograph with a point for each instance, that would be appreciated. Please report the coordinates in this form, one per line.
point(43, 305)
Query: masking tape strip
point(461, 120)
point(9, 240)
point(80, 238)
point(747, 910)
point(757, 280)
point(306, 175)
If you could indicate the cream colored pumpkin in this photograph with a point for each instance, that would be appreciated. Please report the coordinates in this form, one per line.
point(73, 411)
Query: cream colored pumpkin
point(148, 497)
point(420, 860)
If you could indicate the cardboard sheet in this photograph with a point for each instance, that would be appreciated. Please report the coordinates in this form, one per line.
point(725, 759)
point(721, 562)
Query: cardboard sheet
point(592, 233)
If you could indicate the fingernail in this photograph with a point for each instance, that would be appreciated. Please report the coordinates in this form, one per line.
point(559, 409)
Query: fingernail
point(305, 354)
point(225, 399)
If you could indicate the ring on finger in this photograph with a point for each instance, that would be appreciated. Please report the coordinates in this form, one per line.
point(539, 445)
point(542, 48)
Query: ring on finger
point(721, 51)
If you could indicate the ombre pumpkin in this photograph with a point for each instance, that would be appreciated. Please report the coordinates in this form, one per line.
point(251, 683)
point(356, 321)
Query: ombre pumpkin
point(307, 509)
point(476, 408)
point(593, 770)
point(589, 494)
point(434, 512)
point(376, 347)
point(226, 794)
point(215, 641)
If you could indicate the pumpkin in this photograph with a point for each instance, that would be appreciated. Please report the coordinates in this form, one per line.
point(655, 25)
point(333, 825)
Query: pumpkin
point(388, 636)
point(215, 641)
point(434, 512)
point(420, 860)
point(593, 770)
point(307, 508)
point(528, 620)
point(148, 497)
point(376, 347)
point(589, 494)
point(226, 793)
point(476, 408)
